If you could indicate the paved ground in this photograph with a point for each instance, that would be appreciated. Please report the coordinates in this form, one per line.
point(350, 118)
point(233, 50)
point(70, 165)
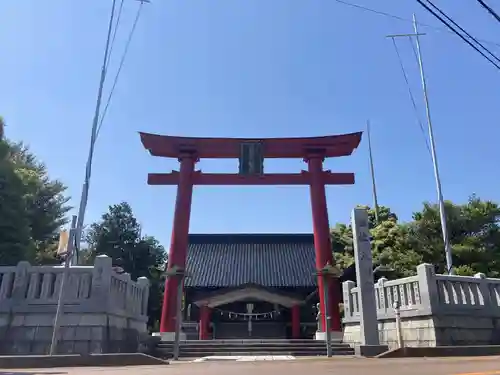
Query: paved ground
point(351, 366)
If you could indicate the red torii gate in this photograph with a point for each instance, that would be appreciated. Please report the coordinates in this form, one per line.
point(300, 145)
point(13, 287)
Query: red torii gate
point(251, 152)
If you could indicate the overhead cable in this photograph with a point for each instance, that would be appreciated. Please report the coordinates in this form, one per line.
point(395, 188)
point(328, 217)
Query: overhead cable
point(122, 62)
point(458, 34)
point(399, 18)
point(412, 98)
point(462, 30)
point(489, 9)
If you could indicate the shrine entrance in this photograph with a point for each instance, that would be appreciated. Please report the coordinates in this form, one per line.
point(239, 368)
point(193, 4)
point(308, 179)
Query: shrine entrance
point(250, 312)
point(251, 154)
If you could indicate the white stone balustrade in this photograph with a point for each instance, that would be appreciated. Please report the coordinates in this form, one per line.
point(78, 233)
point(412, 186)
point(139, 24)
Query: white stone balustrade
point(428, 293)
point(103, 311)
point(88, 288)
point(435, 309)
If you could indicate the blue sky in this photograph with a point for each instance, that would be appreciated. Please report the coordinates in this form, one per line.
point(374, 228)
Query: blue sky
point(250, 68)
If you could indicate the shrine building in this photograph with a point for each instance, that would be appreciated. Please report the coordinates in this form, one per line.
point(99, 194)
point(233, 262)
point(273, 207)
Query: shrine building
point(257, 286)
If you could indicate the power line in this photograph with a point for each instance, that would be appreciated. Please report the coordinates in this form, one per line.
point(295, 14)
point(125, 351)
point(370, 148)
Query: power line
point(462, 30)
point(115, 31)
point(457, 33)
point(399, 18)
point(93, 135)
point(122, 61)
point(489, 9)
point(412, 98)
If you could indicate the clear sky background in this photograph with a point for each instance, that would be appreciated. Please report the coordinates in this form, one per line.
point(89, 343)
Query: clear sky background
point(251, 68)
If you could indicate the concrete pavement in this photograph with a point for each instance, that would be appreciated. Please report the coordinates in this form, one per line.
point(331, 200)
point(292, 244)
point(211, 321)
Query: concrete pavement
point(311, 366)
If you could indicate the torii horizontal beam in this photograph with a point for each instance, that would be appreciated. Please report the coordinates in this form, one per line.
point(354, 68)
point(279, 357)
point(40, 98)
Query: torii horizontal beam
point(208, 148)
point(200, 178)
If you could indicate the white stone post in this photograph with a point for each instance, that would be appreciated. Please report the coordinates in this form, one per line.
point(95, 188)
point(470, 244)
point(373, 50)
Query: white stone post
point(143, 282)
point(101, 281)
point(369, 339)
point(347, 286)
point(428, 288)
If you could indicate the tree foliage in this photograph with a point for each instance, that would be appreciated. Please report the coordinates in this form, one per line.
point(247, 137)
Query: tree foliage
point(473, 229)
point(33, 206)
point(118, 235)
point(14, 226)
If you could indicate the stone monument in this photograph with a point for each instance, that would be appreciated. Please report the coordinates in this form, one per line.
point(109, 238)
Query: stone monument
point(369, 339)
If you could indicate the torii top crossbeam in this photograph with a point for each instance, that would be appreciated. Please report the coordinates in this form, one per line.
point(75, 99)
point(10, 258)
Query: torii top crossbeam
point(172, 147)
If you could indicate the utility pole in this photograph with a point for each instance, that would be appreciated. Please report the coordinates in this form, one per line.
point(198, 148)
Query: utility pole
point(95, 130)
point(93, 136)
point(374, 188)
point(442, 209)
point(69, 253)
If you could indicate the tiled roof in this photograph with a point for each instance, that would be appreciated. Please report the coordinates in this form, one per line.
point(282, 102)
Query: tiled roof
point(270, 260)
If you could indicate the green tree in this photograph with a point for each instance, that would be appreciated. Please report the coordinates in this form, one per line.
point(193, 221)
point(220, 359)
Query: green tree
point(2, 128)
point(46, 204)
point(341, 235)
point(118, 235)
point(42, 204)
point(15, 239)
point(389, 241)
point(390, 246)
point(474, 236)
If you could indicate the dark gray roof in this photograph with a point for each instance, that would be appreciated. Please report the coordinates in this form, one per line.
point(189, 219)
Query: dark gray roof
point(270, 260)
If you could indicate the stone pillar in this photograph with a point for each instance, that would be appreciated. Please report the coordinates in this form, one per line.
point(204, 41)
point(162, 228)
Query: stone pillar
point(369, 340)
point(322, 242)
point(143, 282)
point(178, 245)
point(21, 281)
point(295, 322)
point(101, 281)
point(204, 323)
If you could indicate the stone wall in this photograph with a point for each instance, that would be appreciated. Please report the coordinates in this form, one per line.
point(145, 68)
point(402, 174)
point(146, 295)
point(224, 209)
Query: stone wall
point(103, 311)
point(435, 310)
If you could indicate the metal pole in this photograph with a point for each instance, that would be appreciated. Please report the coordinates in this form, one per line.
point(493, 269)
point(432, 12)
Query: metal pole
point(374, 188)
point(399, 334)
point(178, 318)
point(328, 334)
point(442, 212)
point(60, 298)
point(88, 171)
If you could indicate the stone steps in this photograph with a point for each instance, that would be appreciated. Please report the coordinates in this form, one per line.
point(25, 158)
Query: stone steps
point(196, 348)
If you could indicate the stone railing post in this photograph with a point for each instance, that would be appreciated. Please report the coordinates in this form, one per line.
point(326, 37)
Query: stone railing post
point(427, 285)
point(21, 281)
point(144, 284)
point(347, 286)
point(101, 281)
point(383, 306)
point(127, 297)
point(485, 294)
point(6, 283)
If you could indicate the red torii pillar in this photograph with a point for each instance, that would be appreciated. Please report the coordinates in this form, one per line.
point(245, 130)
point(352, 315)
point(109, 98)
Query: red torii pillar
point(295, 322)
point(179, 241)
point(322, 242)
point(204, 326)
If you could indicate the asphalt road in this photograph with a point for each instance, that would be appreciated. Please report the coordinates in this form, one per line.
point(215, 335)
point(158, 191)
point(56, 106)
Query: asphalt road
point(351, 366)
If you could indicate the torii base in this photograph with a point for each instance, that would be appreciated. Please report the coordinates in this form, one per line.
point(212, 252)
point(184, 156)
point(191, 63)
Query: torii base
point(335, 336)
point(169, 336)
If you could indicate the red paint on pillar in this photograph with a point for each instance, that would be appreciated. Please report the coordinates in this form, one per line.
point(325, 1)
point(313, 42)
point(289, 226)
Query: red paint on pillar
point(204, 323)
point(295, 322)
point(322, 242)
point(179, 241)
